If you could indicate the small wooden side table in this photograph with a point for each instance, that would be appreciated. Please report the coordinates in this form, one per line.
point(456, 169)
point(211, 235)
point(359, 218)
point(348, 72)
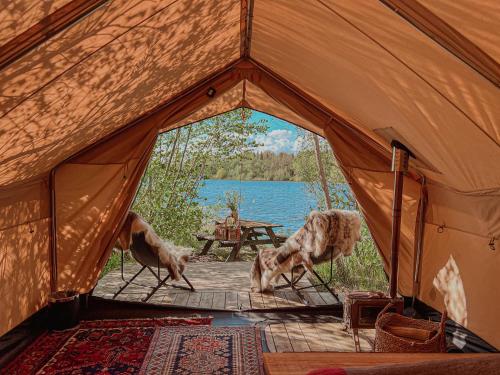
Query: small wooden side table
point(362, 308)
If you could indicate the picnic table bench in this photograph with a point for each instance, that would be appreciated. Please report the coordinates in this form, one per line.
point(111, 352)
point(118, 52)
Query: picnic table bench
point(253, 233)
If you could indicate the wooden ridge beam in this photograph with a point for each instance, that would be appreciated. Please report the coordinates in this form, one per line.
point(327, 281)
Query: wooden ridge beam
point(246, 27)
point(45, 29)
point(447, 37)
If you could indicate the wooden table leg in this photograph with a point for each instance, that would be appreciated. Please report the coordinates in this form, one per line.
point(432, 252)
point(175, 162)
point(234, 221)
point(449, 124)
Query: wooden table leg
point(255, 237)
point(207, 247)
point(272, 236)
point(355, 337)
point(236, 248)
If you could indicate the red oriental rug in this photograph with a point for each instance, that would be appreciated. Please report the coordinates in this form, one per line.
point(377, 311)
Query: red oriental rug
point(94, 347)
point(204, 350)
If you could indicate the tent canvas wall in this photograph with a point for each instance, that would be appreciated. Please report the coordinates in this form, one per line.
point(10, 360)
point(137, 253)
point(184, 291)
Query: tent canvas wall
point(86, 86)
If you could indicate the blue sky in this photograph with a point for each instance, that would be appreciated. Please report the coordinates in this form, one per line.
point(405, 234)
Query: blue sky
point(282, 136)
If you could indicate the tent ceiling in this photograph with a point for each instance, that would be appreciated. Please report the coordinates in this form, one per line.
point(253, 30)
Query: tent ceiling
point(128, 75)
point(68, 48)
point(377, 81)
point(85, 82)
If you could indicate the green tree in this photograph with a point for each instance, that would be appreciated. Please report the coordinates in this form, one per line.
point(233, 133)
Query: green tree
point(305, 166)
point(168, 195)
point(255, 166)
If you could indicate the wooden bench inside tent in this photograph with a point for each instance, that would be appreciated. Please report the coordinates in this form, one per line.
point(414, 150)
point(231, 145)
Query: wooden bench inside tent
point(302, 363)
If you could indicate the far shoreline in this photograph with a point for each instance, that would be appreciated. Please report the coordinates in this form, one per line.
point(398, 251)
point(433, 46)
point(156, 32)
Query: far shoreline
point(255, 179)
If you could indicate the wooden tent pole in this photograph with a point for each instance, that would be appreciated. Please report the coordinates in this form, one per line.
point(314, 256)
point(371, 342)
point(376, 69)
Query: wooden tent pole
point(53, 231)
point(400, 155)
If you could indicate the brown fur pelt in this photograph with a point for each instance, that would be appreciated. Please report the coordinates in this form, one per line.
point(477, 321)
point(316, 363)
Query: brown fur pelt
point(173, 258)
point(323, 232)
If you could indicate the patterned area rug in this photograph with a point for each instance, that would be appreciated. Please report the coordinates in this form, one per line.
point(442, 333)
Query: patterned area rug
point(94, 347)
point(204, 350)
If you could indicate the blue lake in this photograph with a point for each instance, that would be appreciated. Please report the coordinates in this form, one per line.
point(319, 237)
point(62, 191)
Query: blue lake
point(279, 202)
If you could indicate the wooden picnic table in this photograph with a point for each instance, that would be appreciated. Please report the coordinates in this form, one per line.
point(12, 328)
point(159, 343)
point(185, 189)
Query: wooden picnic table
point(253, 233)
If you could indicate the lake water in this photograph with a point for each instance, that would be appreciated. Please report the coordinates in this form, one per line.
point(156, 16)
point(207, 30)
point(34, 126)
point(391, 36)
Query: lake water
point(279, 202)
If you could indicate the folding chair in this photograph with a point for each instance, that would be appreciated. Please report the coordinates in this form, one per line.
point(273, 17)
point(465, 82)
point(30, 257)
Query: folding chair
point(292, 282)
point(144, 255)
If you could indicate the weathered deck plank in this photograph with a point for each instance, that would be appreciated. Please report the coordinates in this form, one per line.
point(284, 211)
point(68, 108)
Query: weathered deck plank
point(194, 299)
point(315, 336)
point(293, 298)
point(269, 339)
point(226, 286)
point(281, 300)
point(269, 301)
point(244, 301)
point(280, 336)
point(313, 297)
point(328, 298)
point(207, 299)
point(312, 337)
point(257, 301)
point(231, 300)
point(219, 301)
point(181, 298)
point(296, 336)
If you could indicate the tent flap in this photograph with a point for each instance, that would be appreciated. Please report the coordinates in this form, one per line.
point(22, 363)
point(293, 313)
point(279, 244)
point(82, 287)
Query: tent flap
point(24, 252)
point(93, 194)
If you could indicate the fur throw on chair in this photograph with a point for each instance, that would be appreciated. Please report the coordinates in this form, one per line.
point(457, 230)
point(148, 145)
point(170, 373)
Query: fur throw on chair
point(325, 232)
point(173, 258)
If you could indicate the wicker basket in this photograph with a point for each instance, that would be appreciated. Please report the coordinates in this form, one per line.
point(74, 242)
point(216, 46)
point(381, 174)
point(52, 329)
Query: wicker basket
point(388, 342)
point(227, 231)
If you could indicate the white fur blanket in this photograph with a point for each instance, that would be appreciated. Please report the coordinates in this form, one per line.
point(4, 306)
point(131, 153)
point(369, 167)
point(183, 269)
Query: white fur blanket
point(173, 258)
point(324, 232)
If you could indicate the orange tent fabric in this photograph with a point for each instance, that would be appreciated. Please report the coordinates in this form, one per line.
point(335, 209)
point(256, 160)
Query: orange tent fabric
point(81, 106)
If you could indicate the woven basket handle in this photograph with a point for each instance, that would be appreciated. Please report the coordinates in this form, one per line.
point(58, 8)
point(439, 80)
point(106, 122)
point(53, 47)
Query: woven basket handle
point(385, 309)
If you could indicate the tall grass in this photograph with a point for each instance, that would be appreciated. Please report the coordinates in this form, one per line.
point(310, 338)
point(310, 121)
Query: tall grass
point(363, 270)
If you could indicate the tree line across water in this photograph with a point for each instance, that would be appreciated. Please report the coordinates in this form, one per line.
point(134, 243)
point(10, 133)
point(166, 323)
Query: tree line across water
point(260, 166)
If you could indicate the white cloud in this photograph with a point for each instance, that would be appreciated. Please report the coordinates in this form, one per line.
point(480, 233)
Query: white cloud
point(298, 144)
point(279, 140)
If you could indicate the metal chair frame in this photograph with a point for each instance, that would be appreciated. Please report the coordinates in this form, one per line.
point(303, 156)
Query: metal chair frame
point(291, 283)
point(161, 281)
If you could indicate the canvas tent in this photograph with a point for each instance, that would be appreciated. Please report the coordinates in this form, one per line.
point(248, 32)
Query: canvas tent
point(87, 85)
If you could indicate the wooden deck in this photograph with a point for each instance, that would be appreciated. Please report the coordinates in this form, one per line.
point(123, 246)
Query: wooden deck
point(304, 336)
point(221, 286)
point(226, 286)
